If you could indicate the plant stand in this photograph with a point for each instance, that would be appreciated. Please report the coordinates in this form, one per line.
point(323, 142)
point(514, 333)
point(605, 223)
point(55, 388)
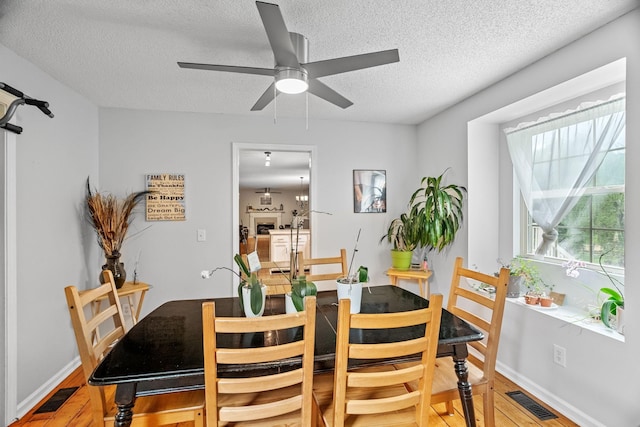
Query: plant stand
point(421, 276)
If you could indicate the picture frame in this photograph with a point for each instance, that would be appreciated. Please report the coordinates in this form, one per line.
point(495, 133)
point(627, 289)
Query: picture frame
point(265, 200)
point(369, 191)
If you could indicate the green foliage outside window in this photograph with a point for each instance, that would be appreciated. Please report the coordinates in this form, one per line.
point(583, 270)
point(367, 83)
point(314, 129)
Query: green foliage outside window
point(595, 225)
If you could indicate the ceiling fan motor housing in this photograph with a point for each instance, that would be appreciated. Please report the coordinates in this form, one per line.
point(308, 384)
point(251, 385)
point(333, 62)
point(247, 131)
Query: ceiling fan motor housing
point(294, 80)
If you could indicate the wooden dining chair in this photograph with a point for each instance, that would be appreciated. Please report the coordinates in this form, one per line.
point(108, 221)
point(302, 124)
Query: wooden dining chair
point(88, 318)
point(378, 396)
point(485, 312)
point(274, 275)
point(274, 398)
point(313, 268)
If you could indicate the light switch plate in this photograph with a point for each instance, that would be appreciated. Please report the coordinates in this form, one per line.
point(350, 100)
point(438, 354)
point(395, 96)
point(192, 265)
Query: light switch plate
point(202, 235)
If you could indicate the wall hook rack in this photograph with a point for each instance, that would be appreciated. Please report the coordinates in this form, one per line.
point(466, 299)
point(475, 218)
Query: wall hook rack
point(14, 99)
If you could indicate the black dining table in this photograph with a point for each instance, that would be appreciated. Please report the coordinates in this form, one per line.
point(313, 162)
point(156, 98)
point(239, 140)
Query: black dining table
point(163, 352)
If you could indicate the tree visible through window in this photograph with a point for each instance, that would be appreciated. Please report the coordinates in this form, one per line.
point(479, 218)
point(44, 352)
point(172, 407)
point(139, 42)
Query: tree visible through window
point(571, 172)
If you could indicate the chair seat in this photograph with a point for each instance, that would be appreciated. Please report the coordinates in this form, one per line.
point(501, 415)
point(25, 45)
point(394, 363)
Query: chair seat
point(444, 387)
point(169, 408)
point(323, 393)
point(445, 376)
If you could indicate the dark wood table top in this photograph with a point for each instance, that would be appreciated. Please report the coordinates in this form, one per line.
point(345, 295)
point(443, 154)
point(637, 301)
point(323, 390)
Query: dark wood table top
point(166, 345)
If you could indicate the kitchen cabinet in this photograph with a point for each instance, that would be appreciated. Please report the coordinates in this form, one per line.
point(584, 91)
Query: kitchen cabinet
point(281, 241)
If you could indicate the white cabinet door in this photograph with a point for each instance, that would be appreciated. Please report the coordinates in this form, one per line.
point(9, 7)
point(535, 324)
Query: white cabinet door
point(280, 251)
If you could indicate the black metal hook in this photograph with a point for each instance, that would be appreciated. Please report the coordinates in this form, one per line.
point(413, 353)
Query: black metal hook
point(21, 99)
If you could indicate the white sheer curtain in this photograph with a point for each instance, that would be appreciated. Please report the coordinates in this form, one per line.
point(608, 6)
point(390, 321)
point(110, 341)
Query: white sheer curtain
point(556, 157)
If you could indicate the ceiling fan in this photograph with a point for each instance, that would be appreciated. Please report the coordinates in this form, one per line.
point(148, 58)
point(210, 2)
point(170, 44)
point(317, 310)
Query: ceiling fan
point(267, 191)
point(292, 71)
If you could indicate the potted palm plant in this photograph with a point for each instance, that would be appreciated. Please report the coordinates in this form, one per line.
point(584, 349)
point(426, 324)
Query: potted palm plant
point(434, 217)
point(439, 211)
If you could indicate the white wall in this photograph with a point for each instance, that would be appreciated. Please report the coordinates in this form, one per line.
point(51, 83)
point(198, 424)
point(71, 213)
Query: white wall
point(589, 389)
point(135, 143)
point(54, 158)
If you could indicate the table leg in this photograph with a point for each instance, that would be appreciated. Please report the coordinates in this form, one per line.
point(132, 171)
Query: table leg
point(464, 388)
point(125, 399)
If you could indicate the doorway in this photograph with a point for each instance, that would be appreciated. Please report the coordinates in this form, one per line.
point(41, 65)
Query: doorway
point(268, 197)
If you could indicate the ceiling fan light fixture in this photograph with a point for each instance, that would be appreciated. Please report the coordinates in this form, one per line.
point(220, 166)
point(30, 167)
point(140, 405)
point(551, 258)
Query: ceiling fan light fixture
point(291, 81)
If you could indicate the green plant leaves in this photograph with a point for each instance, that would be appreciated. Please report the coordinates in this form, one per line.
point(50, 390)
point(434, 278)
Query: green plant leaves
point(440, 211)
point(256, 298)
point(609, 308)
point(243, 267)
point(300, 288)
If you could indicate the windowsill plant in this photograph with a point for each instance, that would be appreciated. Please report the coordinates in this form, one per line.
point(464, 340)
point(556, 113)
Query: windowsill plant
point(614, 295)
point(536, 288)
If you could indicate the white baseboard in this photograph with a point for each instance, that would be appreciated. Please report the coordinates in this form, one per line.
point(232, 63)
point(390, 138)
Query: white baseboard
point(550, 399)
point(30, 402)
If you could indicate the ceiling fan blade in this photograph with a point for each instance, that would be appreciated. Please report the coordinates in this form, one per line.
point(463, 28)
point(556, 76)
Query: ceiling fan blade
point(351, 63)
point(266, 98)
point(228, 68)
point(323, 91)
point(278, 35)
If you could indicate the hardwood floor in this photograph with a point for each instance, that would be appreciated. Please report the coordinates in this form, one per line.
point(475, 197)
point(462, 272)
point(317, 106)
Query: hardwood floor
point(76, 411)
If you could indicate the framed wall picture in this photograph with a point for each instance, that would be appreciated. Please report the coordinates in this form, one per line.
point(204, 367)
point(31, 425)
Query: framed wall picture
point(265, 200)
point(369, 191)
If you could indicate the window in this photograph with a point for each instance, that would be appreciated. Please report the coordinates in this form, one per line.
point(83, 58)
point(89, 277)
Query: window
point(596, 223)
point(571, 173)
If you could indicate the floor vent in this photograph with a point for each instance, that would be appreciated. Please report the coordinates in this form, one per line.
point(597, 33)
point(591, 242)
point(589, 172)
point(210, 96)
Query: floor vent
point(531, 405)
point(56, 401)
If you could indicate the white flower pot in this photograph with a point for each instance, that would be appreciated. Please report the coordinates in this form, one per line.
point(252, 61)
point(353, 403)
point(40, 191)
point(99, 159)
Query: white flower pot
point(352, 291)
point(246, 301)
point(620, 320)
point(288, 304)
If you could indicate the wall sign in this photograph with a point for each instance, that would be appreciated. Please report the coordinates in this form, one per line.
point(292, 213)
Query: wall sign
point(166, 203)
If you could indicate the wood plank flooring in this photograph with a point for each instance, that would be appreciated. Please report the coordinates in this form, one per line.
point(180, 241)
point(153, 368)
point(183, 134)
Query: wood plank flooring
point(76, 410)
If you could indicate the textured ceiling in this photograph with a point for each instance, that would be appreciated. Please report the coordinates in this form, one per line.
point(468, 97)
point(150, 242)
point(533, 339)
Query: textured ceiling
point(123, 53)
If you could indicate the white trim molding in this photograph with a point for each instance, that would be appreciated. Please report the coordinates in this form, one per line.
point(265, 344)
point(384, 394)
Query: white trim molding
point(10, 280)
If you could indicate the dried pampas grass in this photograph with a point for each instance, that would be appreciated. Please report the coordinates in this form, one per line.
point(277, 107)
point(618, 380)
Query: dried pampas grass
point(110, 217)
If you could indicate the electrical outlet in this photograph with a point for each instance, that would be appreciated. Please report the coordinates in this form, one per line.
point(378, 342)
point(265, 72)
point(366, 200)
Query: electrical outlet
point(202, 235)
point(126, 310)
point(560, 355)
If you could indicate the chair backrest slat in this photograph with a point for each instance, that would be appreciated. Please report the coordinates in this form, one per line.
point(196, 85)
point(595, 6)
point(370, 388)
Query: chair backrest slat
point(95, 332)
point(470, 306)
point(347, 399)
point(223, 396)
point(339, 262)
